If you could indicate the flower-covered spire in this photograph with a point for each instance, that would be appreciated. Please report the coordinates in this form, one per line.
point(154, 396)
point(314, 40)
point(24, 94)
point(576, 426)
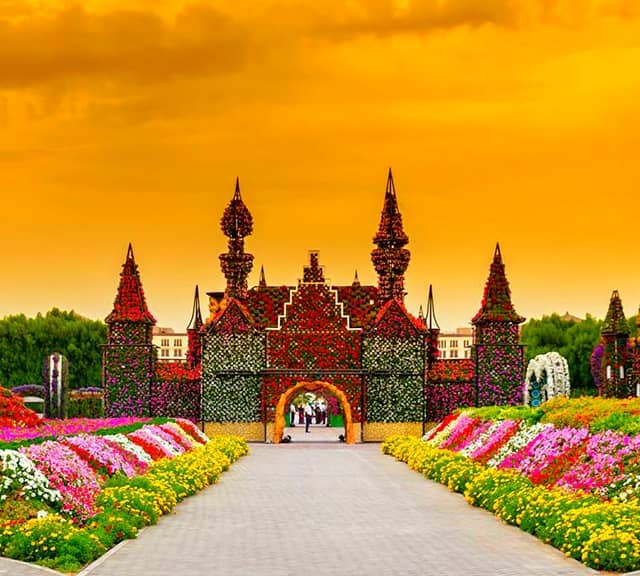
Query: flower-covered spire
point(237, 221)
point(615, 321)
point(390, 231)
point(236, 224)
point(496, 301)
point(130, 304)
point(390, 258)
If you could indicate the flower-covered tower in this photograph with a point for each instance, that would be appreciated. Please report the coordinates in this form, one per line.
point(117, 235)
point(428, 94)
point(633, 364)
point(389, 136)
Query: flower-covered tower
point(615, 367)
point(390, 258)
point(194, 353)
point(236, 224)
point(128, 358)
point(498, 354)
point(635, 366)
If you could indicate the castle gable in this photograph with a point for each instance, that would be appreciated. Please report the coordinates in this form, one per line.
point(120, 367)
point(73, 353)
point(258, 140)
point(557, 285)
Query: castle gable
point(233, 318)
point(394, 321)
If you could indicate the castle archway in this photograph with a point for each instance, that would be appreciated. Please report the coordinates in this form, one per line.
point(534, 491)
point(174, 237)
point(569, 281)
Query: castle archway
point(316, 386)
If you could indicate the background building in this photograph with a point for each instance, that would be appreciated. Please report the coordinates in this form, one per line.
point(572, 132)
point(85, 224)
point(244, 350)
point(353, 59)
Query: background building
point(455, 345)
point(172, 345)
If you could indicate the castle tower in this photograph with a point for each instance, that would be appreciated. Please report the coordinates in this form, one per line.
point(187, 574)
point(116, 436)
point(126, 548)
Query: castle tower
point(616, 381)
point(390, 258)
point(128, 358)
point(499, 356)
point(236, 224)
point(635, 374)
point(194, 353)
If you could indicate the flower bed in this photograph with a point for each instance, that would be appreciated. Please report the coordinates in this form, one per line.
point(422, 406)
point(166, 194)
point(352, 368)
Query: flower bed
point(602, 535)
point(64, 502)
point(554, 471)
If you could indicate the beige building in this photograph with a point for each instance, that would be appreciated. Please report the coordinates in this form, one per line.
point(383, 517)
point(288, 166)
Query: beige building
point(172, 345)
point(455, 345)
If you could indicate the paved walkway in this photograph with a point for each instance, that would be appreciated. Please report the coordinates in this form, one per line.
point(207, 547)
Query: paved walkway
point(330, 509)
point(317, 433)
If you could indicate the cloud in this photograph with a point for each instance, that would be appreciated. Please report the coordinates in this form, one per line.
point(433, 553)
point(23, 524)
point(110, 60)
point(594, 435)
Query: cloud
point(118, 45)
point(342, 20)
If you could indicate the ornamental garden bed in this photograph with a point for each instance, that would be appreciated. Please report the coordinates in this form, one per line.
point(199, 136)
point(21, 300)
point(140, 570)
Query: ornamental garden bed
point(567, 472)
point(70, 490)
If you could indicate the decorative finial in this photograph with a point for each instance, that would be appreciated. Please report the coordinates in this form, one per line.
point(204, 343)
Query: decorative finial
point(262, 283)
point(497, 255)
point(356, 280)
point(196, 316)
point(432, 322)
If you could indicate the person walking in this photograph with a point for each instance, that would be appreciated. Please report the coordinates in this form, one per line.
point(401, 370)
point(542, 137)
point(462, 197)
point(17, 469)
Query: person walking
point(292, 416)
point(308, 414)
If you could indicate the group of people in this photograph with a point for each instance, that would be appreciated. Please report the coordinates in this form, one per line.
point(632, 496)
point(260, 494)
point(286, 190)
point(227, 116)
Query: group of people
point(308, 414)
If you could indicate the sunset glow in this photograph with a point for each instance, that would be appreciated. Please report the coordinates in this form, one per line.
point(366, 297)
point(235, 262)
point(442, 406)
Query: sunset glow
point(516, 122)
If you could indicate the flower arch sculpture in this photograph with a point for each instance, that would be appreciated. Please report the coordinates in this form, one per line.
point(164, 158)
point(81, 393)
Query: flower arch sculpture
point(547, 377)
point(316, 386)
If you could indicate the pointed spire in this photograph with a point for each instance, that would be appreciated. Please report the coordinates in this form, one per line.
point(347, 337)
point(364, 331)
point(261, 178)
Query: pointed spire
point(237, 221)
point(196, 316)
point(262, 284)
point(615, 321)
point(421, 313)
point(431, 321)
point(391, 189)
point(356, 280)
point(390, 230)
point(496, 301)
point(130, 304)
point(390, 258)
point(497, 255)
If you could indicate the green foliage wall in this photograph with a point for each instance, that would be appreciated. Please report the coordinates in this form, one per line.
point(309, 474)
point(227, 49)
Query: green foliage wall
point(388, 353)
point(397, 395)
point(231, 398)
point(574, 340)
point(25, 342)
point(395, 398)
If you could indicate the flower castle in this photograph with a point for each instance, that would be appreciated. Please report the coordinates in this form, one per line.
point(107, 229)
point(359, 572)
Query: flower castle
point(261, 346)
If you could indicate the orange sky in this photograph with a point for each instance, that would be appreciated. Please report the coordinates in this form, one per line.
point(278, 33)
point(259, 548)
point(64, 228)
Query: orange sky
point(508, 120)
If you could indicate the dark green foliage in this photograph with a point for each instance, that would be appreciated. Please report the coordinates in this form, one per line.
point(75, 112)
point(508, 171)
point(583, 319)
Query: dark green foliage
point(85, 407)
point(25, 342)
point(573, 340)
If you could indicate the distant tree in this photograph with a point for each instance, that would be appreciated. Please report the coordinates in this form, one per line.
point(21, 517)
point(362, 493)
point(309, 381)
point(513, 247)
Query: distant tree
point(574, 340)
point(26, 342)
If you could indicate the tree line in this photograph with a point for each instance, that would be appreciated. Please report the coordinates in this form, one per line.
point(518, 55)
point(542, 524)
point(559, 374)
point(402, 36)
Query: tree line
point(26, 342)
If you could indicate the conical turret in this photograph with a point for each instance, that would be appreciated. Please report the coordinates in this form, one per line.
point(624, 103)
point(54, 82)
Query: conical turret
point(496, 301)
point(615, 321)
point(130, 304)
point(390, 258)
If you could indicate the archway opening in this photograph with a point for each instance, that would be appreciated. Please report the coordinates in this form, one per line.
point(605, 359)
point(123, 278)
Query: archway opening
point(318, 389)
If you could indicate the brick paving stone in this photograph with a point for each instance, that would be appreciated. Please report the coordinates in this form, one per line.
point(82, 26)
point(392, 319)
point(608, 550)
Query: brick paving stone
point(330, 509)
